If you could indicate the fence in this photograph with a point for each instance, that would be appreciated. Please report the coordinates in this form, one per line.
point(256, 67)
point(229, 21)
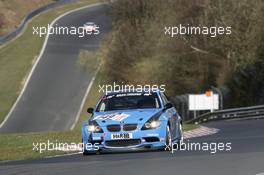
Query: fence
point(245, 112)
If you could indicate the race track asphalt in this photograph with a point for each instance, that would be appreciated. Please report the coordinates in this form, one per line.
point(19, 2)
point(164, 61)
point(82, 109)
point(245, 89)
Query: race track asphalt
point(56, 88)
point(245, 158)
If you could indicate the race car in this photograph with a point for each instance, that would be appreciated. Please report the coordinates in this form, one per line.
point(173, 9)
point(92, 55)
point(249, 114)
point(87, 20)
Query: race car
point(131, 120)
point(90, 27)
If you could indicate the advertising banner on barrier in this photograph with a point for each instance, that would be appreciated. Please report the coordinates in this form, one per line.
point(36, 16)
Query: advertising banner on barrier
point(207, 101)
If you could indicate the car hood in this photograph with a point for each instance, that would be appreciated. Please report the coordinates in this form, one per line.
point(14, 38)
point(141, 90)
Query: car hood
point(125, 116)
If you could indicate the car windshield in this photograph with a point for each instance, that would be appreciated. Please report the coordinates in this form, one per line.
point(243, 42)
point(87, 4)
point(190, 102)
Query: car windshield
point(123, 101)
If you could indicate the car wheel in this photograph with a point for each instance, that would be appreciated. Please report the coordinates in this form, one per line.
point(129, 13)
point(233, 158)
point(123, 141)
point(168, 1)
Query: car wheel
point(181, 133)
point(168, 137)
point(177, 147)
point(85, 153)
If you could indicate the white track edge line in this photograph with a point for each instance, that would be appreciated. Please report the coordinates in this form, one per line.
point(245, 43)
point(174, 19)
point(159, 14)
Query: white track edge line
point(84, 98)
point(39, 57)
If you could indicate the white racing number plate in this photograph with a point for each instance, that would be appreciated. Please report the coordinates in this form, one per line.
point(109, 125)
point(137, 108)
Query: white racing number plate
point(121, 136)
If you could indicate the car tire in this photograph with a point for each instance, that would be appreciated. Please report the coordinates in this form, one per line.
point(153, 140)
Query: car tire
point(168, 138)
point(177, 147)
point(85, 153)
point(181, 131)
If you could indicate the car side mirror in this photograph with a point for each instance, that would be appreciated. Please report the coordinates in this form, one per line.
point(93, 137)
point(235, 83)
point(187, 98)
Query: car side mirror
point(90, 110)
point(168, 106)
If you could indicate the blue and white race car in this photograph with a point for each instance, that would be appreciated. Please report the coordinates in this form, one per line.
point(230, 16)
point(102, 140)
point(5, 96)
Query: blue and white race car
point(131, 120)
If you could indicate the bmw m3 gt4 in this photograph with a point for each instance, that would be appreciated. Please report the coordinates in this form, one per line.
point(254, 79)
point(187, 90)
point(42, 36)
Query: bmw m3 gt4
point(131, 120)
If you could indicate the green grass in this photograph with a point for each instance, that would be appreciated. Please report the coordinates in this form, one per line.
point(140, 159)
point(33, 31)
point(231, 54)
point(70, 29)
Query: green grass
point(17, 57)
point(20, 146)
point(187, 127)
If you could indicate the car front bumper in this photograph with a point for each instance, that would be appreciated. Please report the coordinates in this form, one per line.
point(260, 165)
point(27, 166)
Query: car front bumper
point(142, 140)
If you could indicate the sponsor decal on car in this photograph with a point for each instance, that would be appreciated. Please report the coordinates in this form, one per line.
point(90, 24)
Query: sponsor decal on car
point(117, 116)
point(121, 136)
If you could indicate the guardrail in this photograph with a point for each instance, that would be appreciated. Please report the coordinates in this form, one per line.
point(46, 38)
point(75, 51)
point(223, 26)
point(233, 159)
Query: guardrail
point(244, 112)
point(11, 35)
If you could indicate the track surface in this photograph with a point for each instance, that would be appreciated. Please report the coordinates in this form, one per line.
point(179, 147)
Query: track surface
point(246, 157)
point(56, 88)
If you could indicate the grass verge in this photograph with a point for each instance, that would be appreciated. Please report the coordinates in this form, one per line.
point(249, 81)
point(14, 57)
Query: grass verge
point(20, 146)
point(11, 16)
point(187, 127)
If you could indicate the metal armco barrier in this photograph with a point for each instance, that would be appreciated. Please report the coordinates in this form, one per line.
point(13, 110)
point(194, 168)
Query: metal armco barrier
point(10, 36)
point(244, 112)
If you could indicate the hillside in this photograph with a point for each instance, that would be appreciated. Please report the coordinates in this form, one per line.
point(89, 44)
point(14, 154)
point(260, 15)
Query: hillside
point(13, 11)
point(139, 51)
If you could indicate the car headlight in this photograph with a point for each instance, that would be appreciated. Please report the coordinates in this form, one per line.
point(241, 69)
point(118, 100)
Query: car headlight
point(153, 124)
point(94, 127)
